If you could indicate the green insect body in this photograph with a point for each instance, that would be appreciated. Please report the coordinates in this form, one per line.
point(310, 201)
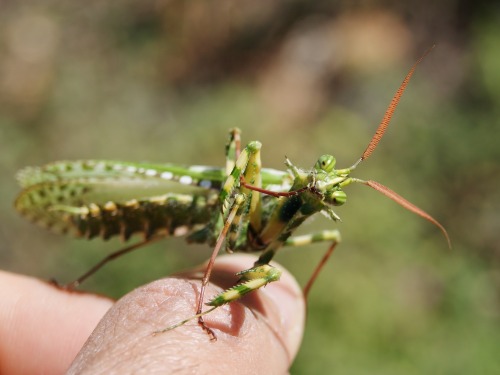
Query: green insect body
point(102, 198)
point(241, 207)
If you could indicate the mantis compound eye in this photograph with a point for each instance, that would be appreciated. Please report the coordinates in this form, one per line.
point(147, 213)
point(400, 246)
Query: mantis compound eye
point(337, 197)
point(325, 163)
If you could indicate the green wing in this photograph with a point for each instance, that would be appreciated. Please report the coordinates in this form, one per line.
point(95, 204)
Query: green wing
point(54, 193)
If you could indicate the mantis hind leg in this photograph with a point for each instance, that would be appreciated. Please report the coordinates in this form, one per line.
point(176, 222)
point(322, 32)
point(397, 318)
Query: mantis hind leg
point(96, 267)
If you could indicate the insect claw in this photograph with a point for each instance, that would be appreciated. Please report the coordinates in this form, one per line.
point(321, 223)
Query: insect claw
point(208, 330)
point(68, 287)
point(71, 286)
point(55, 283)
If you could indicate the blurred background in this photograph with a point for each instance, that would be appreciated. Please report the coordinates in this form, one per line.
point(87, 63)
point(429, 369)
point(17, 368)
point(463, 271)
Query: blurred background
point(163, 81)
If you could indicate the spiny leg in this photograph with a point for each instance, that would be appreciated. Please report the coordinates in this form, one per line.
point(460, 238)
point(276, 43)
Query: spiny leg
point(233, 149)
point(262, 273)
point(238, 201)
point(114, 255)
point(247, 164)
point(232, 208)
point(318, 269)
point(259, 276)
point(251, 280)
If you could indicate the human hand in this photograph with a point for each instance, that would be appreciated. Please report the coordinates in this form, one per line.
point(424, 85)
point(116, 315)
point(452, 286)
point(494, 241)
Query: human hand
point(43, 328)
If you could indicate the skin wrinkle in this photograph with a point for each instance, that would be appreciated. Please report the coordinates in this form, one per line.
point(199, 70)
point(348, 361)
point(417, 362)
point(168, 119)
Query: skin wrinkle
point(160, 304)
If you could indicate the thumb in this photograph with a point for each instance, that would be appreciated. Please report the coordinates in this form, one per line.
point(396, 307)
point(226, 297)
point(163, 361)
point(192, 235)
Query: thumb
point(260, 333)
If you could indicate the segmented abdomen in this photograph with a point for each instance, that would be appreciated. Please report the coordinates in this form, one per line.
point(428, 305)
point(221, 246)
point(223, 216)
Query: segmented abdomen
point(171, 214)
point(68, 207)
